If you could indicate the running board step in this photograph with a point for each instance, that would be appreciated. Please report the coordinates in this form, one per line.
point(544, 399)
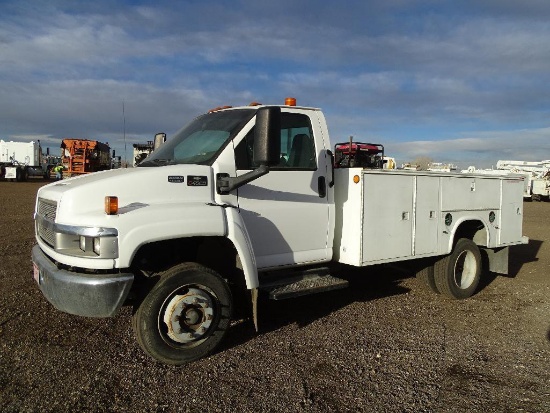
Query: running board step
point(309, 282)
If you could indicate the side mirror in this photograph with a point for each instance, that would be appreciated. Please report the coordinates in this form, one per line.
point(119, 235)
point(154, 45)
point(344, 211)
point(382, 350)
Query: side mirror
point(267, 148)
point(160, 138)
point(267, 137)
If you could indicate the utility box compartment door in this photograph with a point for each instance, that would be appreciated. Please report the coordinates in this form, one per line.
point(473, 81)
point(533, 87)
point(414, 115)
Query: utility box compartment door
point(426, 215)
point(511, 215)
point(467, 193)
point(387, 216)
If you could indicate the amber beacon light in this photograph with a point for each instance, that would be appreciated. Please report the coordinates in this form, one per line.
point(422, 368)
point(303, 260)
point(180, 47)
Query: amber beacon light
point(111, 205)
point(290, 101)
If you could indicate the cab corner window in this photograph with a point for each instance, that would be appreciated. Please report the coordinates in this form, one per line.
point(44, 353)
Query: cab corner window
point(297, 145)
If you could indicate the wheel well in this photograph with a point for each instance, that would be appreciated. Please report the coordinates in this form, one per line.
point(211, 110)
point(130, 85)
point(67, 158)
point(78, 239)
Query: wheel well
point(474, 230)
point(217, 253)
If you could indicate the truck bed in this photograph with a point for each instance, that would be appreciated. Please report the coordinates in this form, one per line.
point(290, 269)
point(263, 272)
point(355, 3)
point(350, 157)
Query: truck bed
point(394, 215)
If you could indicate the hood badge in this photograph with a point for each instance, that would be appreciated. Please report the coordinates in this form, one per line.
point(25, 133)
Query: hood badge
point(176, 179)
point(197, 180)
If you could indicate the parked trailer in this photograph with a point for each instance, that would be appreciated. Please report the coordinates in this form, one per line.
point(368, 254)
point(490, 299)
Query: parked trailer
point(247, 200)
point(82, 156)
point(21, 160)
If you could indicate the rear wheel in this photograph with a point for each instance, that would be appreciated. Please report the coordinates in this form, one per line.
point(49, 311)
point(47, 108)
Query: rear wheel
point(185, 316)
point(426, 276)
point(457, 274)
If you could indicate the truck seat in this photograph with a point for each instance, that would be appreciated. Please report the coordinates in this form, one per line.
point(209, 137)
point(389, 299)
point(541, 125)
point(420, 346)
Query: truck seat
point(301, 153)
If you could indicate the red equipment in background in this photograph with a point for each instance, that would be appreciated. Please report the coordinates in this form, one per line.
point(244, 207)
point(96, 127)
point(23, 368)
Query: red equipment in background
point(358, 155)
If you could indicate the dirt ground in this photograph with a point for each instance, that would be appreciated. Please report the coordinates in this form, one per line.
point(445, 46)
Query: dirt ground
point(384, 345)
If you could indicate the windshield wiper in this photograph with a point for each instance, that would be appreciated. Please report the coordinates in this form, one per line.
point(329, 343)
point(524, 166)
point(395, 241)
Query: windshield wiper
point(157, 162)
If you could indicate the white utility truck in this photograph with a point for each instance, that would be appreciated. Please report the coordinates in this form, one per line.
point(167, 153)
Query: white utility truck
point(533, 171)
point(247, 199)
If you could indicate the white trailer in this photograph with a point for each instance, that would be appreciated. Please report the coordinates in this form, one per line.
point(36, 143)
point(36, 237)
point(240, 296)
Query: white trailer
point(218, 215)
point(541, 187)
point(20, 160)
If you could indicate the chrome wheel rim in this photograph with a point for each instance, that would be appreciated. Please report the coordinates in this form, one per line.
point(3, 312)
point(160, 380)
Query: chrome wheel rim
point(187, 315)
point(465, 270)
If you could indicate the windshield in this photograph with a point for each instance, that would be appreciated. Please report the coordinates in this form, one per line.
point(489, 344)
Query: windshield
point(201, 140)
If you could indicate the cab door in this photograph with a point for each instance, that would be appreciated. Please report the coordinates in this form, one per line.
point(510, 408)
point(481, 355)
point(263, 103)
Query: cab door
point(286, 212)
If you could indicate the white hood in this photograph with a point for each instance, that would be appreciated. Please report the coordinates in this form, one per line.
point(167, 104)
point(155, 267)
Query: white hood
point(82, 198)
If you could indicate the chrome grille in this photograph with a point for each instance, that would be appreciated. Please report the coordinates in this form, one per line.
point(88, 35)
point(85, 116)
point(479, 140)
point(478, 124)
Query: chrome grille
point(47, 209)
point(46, 217)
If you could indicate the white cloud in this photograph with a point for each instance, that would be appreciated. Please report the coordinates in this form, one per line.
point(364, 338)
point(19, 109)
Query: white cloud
point(390, 70)
point(482, 147)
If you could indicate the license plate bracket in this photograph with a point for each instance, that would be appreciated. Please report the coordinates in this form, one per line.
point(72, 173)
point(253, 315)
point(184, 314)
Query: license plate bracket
point(36, 273)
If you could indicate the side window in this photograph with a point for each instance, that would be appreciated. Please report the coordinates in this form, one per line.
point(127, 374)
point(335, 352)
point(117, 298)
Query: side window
point(297, 145)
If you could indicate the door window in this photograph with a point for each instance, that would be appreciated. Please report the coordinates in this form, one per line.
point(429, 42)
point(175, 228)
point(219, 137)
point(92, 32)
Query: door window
point(297, 145)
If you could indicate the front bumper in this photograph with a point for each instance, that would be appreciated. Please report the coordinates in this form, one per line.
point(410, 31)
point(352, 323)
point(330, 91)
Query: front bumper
point(89, 295)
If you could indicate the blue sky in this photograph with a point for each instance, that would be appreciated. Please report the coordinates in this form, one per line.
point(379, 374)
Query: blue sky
point(457, 81)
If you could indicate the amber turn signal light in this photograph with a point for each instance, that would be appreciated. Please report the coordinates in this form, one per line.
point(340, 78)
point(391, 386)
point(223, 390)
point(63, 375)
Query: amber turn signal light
point(111, 205)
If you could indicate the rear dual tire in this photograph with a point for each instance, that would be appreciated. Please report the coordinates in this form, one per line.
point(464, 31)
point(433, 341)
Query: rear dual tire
point(457, 275)
point(426, 276)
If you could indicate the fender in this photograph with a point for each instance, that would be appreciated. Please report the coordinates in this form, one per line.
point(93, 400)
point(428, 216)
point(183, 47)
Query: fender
point(459, 222)
point(171, 221)
point(238, 235)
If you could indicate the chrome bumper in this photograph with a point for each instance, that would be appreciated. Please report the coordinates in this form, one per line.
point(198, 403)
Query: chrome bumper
point(89, 295)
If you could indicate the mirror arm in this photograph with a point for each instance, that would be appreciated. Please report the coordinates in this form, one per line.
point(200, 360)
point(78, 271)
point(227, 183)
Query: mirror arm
point(226, 184)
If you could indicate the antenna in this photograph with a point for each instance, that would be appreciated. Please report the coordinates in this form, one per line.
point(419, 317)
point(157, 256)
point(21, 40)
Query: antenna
point(124, 133)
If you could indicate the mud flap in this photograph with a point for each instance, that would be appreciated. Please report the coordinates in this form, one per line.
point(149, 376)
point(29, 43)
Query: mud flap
point(497, 259)
point(254, 293)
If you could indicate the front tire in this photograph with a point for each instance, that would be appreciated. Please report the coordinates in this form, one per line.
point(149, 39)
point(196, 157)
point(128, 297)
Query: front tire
point(185, 315)
point(457, 275)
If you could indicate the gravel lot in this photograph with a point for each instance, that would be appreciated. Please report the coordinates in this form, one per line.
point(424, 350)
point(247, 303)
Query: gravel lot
point(384, 345)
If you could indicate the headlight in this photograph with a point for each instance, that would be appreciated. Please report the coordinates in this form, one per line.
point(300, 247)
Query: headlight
point(77, 241)
point(85, 243)
point(97, 245)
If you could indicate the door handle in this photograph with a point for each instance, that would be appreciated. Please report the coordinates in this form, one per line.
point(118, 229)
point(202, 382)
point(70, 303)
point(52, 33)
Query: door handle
point(322, 186)
point(331, 155)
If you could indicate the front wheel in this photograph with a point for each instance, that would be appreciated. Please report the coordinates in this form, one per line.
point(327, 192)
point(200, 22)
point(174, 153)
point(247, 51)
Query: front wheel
point(457, 275)
point(185, 316)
